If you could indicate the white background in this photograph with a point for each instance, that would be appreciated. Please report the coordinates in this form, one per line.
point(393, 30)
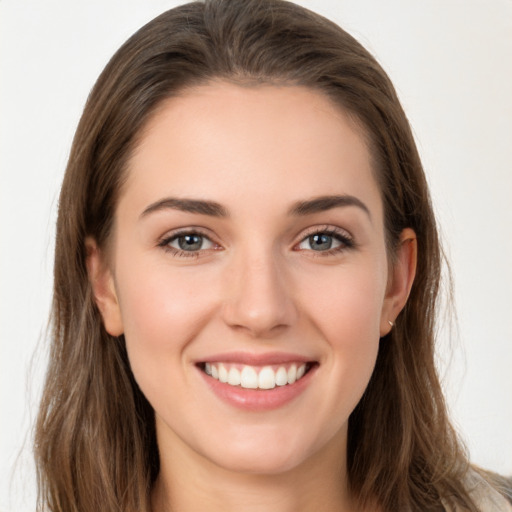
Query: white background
point(451, 61)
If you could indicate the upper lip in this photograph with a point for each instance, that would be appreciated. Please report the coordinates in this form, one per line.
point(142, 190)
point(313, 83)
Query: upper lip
point(251, 359)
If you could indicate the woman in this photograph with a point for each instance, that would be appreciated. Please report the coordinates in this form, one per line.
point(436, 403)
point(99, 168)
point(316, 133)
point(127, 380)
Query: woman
point(246, 276)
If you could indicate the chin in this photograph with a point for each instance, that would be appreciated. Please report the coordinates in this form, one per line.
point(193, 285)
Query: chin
point(264, 455)
point(272, 462)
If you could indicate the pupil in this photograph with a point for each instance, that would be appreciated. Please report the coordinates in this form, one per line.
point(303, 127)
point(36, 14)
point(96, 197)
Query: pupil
point(320, 242)
point(190, 242)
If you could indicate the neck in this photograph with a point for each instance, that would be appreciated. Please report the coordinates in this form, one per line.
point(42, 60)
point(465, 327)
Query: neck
point(188, 482)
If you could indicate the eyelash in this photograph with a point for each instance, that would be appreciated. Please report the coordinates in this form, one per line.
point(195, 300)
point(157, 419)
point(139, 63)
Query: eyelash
point(179, 253)
point(345, 240)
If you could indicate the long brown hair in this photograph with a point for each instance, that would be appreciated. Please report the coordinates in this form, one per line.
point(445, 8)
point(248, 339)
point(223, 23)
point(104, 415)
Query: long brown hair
point(95, 436)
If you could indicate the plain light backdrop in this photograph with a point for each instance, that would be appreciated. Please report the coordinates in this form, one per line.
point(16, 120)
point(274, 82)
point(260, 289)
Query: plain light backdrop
point(451, 62)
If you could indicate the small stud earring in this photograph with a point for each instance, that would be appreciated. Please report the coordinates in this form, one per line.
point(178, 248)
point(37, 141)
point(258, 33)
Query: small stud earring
point(391, 323)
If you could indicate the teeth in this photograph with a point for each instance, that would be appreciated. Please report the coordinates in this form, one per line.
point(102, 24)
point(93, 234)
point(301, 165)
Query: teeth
point(281, 376)
point(292, 374)
point(267, 378)
point(255, 378)
point(223, 373)
point(234, 377)
point(249, 378)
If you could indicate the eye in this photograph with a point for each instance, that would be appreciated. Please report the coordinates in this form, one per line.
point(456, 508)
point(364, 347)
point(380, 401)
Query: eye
point(326, 241)
point(190, 242)
point(319, 242)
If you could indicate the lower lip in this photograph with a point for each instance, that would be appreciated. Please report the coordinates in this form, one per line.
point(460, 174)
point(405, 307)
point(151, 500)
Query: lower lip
point(258, 399)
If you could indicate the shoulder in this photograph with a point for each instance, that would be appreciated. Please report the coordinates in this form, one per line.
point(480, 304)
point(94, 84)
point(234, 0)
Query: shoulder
point(485, 494)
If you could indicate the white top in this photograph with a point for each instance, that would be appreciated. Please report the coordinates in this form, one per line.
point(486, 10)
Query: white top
point(486, 497)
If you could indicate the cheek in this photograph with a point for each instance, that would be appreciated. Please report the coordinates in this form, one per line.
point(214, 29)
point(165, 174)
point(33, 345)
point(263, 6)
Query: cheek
point(163, 310)
point(347, 316)
point(157, 299)
point(347, 304)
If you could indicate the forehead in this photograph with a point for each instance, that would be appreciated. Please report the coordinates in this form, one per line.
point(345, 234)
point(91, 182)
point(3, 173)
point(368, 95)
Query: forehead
point(220, 140)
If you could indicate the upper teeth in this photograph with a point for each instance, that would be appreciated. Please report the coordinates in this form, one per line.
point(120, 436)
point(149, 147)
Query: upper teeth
point(252, 377)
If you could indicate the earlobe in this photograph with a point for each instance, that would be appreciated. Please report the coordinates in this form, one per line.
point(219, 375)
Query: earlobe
point(401, 280)
point(102, 283)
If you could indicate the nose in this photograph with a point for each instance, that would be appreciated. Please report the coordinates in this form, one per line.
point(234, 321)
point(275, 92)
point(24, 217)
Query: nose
point(260, 298)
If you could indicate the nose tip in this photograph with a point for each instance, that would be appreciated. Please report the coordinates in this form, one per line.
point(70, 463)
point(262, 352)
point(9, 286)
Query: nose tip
point(260, 302)
point(258, 324)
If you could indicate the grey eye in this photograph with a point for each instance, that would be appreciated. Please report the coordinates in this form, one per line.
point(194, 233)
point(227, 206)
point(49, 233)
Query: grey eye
point(320, 242)
point(191, 242)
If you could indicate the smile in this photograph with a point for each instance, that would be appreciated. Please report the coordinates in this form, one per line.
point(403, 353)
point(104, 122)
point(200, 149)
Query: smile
point(258, 382)
point(256, 377)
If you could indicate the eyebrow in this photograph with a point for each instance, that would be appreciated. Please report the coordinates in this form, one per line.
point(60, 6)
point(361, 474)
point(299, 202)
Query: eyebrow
point(199, 206)
point(323, 203)
point(213, 209)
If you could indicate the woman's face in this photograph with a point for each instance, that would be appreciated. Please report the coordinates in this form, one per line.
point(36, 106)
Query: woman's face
point(249, 275)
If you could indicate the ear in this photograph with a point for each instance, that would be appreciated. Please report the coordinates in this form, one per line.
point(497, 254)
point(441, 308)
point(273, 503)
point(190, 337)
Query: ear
point(400, 280)
point(102, 283)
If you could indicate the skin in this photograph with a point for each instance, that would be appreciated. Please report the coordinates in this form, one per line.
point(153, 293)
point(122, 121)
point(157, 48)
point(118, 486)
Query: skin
point(256, 285)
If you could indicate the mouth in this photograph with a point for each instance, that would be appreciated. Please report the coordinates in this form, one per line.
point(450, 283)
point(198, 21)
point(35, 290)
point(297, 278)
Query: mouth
point(259, 377)
point(258, 382)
